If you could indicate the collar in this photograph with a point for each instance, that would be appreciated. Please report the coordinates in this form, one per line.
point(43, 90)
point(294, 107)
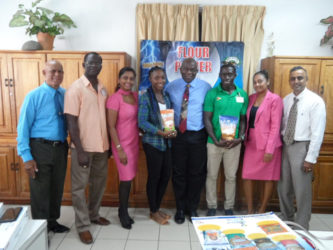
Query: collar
point(123, 92)
point(234, 93)
point(300, 95)
point(86, 82)
point(192, 84)
point(49, 89)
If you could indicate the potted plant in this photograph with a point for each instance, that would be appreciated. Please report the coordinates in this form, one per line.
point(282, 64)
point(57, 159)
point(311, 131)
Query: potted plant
point(329, 33)
point(44, 23)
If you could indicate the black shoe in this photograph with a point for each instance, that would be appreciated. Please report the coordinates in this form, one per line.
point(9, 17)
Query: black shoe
point(131, 220)
point(211, 212)
point(57, 228)
point(193, 214)
point(228, 212)
point(124, 219)
point(179, 217)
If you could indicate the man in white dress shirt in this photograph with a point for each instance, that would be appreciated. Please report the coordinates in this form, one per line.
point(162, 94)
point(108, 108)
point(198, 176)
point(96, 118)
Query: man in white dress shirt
point(303, 129)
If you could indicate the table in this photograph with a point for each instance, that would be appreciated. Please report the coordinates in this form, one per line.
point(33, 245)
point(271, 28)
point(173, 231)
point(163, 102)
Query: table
point(34, 236)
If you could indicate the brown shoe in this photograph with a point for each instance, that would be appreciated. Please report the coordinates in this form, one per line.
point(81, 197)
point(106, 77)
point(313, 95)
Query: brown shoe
point(86, 237)
point(101, 221)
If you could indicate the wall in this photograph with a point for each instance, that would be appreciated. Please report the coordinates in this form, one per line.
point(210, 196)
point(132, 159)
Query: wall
point(109, 25)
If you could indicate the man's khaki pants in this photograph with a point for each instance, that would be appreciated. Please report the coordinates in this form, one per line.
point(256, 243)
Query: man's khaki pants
point(230, 159)
point(95, 175)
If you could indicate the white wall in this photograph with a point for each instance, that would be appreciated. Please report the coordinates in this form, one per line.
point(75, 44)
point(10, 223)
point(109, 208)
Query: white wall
point(109, 25)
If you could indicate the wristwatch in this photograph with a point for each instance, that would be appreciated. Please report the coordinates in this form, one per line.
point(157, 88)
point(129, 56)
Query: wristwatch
point(242, 137)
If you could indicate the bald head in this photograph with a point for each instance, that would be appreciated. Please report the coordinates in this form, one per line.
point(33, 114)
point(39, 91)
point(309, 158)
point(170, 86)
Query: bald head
point(189, 69)
point(53, 73)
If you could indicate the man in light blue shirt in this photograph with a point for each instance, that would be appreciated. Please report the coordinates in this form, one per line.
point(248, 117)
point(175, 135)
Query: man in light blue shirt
point(188, 148)
point(42, 145)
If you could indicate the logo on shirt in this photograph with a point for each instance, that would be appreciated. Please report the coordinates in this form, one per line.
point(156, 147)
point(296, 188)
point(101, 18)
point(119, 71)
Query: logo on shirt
point(218, 98)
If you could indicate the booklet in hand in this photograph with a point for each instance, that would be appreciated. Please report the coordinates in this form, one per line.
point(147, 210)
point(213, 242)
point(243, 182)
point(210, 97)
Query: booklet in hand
point(228, 125)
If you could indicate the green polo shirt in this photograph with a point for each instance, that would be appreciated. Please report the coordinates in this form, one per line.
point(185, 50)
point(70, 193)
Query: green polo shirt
point(220, 102)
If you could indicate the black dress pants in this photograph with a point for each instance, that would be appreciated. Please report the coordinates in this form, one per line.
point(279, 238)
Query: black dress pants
point(46, 189)
point(189, 153)
point(159, 166)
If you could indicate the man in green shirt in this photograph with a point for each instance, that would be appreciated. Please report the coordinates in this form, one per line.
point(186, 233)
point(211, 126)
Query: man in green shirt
point(224, 100)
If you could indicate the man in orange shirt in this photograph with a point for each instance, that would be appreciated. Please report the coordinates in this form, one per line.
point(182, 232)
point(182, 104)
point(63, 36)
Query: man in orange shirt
point(85, 113)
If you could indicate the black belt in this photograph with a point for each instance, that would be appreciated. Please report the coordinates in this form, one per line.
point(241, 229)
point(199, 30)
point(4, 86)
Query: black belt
point(53, 143)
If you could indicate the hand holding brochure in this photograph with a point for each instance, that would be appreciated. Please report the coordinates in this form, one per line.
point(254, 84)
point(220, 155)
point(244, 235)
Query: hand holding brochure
point(228, 125)
point(168, 119)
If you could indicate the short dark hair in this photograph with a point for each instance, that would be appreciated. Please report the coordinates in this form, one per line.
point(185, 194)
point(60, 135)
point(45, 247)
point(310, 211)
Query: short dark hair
point(263, 72)
point(299, 68)
point(91, 53)
point(126, 69)
point(153, 69)
point(228, 65)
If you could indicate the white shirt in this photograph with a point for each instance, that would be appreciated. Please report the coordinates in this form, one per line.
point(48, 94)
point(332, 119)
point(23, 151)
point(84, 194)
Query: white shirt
point(162, 106)
point(311, 120)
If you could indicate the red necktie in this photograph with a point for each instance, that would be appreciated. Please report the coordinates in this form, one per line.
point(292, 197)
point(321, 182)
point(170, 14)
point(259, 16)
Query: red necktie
point(183, 112)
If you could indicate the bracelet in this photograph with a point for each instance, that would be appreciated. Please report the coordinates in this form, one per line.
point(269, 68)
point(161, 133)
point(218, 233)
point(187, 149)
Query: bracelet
point(118, 146)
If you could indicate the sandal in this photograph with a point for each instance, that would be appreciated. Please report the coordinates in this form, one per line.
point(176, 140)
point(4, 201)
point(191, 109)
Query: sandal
point(164, 215)
point(159, 219)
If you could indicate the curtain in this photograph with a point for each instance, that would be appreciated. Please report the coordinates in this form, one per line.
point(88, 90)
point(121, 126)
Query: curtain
point(166, 22)
point(237, 23)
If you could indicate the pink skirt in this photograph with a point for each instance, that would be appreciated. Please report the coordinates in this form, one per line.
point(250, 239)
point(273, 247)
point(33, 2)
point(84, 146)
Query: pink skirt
point(254, 167)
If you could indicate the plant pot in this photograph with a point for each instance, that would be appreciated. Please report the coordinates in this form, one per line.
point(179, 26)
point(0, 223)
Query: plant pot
point(46, 40)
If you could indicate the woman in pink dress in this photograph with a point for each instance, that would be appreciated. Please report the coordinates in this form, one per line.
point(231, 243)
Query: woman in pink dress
point(262, 157)
point(122, 109)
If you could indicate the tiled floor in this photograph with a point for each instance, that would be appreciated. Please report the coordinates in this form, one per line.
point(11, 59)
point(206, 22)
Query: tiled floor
point(145, 233)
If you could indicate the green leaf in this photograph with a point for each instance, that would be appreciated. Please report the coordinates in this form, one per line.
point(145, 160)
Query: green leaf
point(45, 10)
point(18, 21)
point(34, 4)
point(64, 20)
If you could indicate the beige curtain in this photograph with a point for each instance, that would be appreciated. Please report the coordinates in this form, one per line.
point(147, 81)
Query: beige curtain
point(237, 23)
point(166, 22)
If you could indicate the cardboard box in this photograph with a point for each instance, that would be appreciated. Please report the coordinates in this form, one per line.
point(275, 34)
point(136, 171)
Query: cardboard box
point(10, 231)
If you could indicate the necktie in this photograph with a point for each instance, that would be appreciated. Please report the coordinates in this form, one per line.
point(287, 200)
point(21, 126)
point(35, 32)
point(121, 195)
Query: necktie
point(288, 137)
point(183, 112)
point(60, 114)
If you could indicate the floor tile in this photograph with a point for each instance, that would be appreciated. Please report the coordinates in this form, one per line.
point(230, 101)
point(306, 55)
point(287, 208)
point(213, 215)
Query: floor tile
point(73, 244)
point(174, 232)
point(113, 231)
point(55, 240)
point(193, 234)
point(327, 219)
point(195, 245)
point(317, 224)
point(141, 245)
point(102, 244)
point(144, 232)
point(175, 245)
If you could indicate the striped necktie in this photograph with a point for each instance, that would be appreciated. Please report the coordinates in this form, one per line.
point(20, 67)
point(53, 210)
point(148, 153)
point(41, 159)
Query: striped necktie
point(183, 112)
point(289, 134)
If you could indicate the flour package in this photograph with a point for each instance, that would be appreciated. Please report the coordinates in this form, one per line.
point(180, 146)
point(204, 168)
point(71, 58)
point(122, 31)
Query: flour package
point(228, 125)
point(168, 119)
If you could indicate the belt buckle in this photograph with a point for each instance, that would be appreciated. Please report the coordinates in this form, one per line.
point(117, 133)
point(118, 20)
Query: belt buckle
point(55, 143)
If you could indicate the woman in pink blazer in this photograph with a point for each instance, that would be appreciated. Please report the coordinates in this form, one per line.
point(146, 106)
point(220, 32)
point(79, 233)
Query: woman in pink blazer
point(262, 157)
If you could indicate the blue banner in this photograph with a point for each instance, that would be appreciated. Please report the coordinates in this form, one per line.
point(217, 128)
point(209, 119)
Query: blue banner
point(209, 56)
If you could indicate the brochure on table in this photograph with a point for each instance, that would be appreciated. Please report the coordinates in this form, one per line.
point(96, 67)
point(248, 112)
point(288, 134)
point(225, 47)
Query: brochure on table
point(259, 231)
